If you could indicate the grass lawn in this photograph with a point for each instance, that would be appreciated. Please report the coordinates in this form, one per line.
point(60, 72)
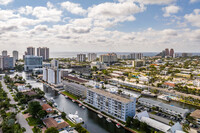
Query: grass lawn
point(70, 95)
point(34, 121)
point(69, 122)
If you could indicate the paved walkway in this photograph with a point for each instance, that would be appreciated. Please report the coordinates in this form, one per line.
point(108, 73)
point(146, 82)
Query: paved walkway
point(20, 117)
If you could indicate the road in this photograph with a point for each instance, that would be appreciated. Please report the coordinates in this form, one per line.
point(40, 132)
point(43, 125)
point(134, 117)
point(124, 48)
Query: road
point(20, 118)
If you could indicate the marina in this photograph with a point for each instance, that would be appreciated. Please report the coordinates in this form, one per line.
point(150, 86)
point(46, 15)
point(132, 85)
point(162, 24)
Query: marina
point(92, 122)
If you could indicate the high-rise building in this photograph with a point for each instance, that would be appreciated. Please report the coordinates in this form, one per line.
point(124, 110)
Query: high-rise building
point(30, 51)
point(108, 58)
point(52, 76)
point(166, 52)
point(44, 52)
point(114, 105)
point(171, 52)
point(81, 57)
point(32, 62)
point(6, 62)
point(55, 63)
point(4, 53)
point(15, 55)
point(92, 56)
point(139, 56)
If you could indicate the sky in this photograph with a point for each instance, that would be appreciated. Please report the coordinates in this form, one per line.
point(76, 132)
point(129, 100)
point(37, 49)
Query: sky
point(100, 25)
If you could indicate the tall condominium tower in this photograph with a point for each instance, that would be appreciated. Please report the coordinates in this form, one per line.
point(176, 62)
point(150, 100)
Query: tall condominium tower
point(44, 52)
point(30, 51)
point(4, 53)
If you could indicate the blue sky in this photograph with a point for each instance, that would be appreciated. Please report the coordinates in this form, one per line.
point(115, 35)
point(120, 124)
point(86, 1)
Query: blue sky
point(100, 25)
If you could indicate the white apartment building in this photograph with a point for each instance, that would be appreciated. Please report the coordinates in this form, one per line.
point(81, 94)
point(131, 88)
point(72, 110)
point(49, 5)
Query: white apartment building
point(92, 56)
point(108, 58)
point(172, 110)
point(52, 76)
point(55, 63)
point(75, 89)
point(114, 105)
point(81, 57)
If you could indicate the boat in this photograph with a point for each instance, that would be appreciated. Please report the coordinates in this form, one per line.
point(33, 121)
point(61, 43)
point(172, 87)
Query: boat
point(80, 105)
point(148, 93)
point(55, 105)
point(118, 125)
point(75, 118)
point(108, 120)
point(100, 116)
point(66, 97)
point(73, 101)
point(52, 100)
point(164, 97)
point(83, 107)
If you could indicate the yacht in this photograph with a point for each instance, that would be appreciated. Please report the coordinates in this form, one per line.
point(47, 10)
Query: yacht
point(108, 120)
point(52, 100)
point(73, 101)
point(75, 118)
point(164, 97)
point(118, 125)
point(83, 107)
point(55, 105)
point(100, 116)
point(148, 93)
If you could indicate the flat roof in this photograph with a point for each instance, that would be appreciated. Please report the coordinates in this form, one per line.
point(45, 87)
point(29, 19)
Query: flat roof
point(110, 95)
point(164, 106)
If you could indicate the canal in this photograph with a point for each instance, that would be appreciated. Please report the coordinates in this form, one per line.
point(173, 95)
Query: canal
point(92, 122)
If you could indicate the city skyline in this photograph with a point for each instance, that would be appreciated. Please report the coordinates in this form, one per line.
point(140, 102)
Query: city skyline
point(136, 26)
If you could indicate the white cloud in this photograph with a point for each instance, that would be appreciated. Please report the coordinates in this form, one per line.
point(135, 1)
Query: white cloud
point(7, 14)
point(151, 2)
point(193, 1)
point(109, 14)
point(47, 14)
point(194, 18)
point(5, 2)
point(172, 9)
point(73, 8)
point(27, 10)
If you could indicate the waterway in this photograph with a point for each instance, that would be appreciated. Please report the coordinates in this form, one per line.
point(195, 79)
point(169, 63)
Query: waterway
point(92, 122)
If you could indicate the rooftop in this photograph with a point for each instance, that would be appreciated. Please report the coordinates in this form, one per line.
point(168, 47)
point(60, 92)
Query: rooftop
point(110, 95)
point(195, 114)
point(165, 106)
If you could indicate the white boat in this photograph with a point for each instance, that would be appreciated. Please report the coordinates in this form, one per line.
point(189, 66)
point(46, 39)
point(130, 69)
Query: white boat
point(75, 118)
point(55, 105)
point(66, 97)
point(108, 119)
point(100, 116)
point(118, 125)
point(52, 100)
point(83, 107)
point(73, 101)
point(164, 97)
point(148, 93)
point(80, 105)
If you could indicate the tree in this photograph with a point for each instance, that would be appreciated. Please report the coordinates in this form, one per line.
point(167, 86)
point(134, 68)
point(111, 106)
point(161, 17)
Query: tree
point(42, 114)
point(128, 121)
point(51, 130)
point(171, 123)
point(34, 107)
point(63, 115)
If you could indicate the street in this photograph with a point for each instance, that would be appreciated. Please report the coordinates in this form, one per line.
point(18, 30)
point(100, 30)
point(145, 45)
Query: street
point(20, 118)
